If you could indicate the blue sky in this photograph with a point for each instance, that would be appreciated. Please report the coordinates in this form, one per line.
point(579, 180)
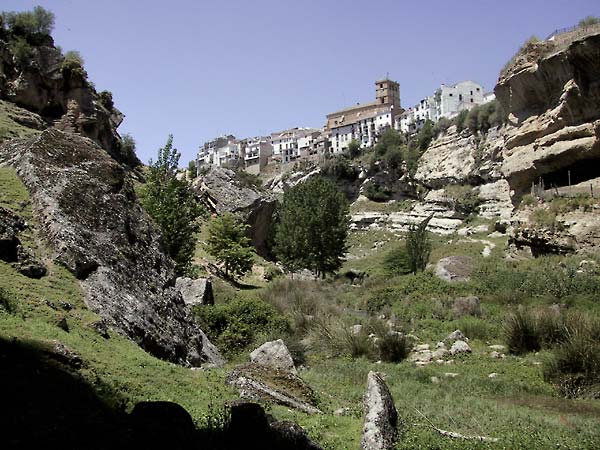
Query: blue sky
point(198, 69)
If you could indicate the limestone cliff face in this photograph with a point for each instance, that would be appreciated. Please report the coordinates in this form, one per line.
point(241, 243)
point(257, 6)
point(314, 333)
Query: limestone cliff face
point(62, 96)
point(222, 191)
point(554, 116)
point(89, 214)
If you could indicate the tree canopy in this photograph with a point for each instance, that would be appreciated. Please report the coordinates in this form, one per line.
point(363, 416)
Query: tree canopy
point(312, 227)
point(173, 205)
point(229, 244)
point(26, 23)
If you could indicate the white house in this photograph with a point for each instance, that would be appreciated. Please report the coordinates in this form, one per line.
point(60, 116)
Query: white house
point(257, 152)
point(447, 101)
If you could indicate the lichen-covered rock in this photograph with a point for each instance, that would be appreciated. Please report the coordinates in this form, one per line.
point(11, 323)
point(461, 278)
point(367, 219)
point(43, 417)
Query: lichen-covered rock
point(222, 191)
point(380, 429)
point(454, 268)
point(89, 214)
point(273, 354)
point(460, 347)
point(256, 382)
point(195, 292)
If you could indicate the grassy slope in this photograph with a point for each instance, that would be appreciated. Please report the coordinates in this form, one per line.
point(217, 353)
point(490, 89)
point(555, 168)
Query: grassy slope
point(115, 367)
point(518, 406)
point(9, 129)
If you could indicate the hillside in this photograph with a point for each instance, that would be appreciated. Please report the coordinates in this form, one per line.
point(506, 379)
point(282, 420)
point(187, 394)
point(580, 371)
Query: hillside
point(495, 344)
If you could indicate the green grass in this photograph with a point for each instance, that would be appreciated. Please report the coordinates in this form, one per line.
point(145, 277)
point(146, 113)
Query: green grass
point(9, 129)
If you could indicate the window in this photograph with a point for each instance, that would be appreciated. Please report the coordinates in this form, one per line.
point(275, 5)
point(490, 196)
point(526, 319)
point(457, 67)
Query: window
point(450, 95)
point(471, 100)
point(460, 97)
point(471, 92)
point(477, 89)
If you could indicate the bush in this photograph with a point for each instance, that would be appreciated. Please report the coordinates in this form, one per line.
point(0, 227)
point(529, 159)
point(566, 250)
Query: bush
point(396, 261)
point(393, 347)
point(474, 328)
point(522, 333)
point(233, 326)
point(353, 149)
point(588, 21)
point(338, 167)
point(248, 180)
point(441, 126)
point(8, 302)
point(575, 365)
point(72, 64)
point(418, 246)
point(23, 53)
point(461, 120)
point(544, 218)
point(463, 199)
point(376, 193)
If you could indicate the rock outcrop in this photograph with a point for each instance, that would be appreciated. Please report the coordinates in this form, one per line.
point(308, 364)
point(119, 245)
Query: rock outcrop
point(12, 250)
point(222, 191)
point(554, 116)
point(61, 94)
point(260, 383)
point(274, 354)
point(195, 292)
point(88, 213)
point(380, 428)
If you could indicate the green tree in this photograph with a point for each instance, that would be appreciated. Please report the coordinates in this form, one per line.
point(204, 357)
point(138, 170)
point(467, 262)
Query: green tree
point(312, 227)
point(353, 149)
point(27, 23)
point(425, 135)
point(588, 21)
point(192, 169)
point(173, 205)
point(418, 246)
point(228, 243)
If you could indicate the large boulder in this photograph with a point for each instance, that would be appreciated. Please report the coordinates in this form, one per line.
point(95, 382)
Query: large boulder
point(380, 429)
point(88, 212)
point(195, 292)
point(260, 383)
point(454, 268)
point(273, 354)
point(222, 191)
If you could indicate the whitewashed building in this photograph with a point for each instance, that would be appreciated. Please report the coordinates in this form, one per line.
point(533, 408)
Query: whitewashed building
point(365, 122)
point(447, 101)
point(257, 152)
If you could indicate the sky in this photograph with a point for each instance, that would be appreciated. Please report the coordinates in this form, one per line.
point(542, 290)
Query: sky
point(198, 69)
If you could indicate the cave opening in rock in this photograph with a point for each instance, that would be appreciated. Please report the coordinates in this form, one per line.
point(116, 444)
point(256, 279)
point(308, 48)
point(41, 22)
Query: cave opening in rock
point(578, 172)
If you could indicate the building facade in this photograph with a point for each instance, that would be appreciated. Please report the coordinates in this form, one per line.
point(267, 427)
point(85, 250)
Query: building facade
point(257, 153)
point(447, 101)
point(365, 122)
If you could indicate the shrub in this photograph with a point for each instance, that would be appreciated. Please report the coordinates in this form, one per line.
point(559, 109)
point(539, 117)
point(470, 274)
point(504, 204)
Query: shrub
point(544, 218)
point(376, 193)
point(353, 149)
point(72, 64)
point(338, 167)
point(528, 200)
point(575, 366)
point(23, 53)
point(106, 99)
point(418, 246)
point(8, 302)
point(272, 273)
point(248, 180)
point(396, 261)
point(441, 126)
point(522, 334)
point(474, 328)
point(393, 347)
point(463, 199)
point(588, 21)
point(233, 326)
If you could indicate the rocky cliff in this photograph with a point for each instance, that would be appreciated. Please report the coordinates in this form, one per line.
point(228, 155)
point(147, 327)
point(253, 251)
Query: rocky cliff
point(222, 191)
point(554, 129)
point(88, 212)
point(48, 85)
